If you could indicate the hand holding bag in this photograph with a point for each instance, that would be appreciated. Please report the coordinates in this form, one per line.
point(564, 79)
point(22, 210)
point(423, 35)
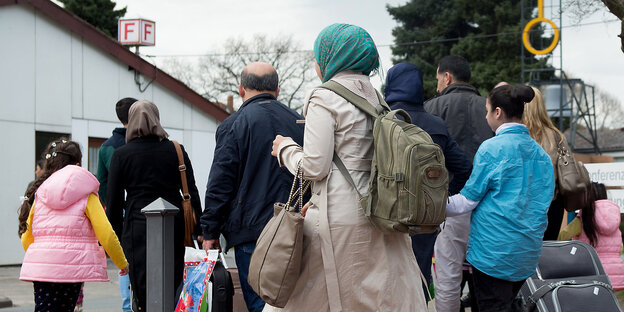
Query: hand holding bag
point(276, 260)
point(573, 179)
point(189, 213)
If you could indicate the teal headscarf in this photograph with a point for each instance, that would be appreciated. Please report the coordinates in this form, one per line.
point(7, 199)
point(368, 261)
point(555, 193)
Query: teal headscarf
point(345, 47)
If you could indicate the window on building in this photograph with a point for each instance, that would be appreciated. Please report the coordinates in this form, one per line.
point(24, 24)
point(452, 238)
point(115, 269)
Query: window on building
point(94, 153)
point(42, 139)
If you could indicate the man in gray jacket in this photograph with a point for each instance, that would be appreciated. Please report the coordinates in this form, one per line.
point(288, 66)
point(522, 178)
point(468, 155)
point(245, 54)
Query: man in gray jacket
point(463, 109)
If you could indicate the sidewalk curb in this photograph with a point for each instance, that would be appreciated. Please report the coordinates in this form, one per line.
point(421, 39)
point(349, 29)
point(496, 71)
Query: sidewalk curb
point(5, 302)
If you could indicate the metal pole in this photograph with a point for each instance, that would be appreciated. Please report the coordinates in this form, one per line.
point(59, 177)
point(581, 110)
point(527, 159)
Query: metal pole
point(160, 216)
point(521, 44)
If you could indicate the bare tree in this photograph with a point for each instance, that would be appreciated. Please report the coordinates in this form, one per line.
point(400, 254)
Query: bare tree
point(617, 8)
point(609, 110)
point(217, 75)
point(578, 9)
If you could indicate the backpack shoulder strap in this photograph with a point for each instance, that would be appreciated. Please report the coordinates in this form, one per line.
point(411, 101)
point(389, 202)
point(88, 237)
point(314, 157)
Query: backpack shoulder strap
point(382, 102)
point(355, 99)
point(345, 173)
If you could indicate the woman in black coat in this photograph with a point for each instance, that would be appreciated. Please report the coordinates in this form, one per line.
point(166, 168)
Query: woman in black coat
point(146, 168)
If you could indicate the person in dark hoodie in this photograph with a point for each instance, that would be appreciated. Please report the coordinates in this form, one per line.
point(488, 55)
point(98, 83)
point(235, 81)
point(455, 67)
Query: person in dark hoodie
point(404, 90)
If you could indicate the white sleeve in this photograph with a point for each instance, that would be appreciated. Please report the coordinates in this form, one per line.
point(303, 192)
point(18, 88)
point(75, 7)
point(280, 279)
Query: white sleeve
point(459, 204)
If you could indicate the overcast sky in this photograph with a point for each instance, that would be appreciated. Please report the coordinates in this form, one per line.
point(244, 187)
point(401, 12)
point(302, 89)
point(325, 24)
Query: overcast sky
point(191, 27)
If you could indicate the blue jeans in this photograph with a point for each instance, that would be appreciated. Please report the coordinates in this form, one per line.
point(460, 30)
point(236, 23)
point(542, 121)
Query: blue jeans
point(242, 254)
point(422, 245)
point(124, 288)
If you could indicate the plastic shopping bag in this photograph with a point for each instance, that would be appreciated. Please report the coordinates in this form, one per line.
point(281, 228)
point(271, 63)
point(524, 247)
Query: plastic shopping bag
point(192, 258)
point(195, 290)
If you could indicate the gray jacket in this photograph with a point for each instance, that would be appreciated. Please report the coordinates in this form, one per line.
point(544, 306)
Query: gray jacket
point(463, 110)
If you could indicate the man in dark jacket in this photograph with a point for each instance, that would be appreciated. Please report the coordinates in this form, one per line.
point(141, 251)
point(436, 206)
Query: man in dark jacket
point(107, 149)
point(404, 90)
point(460, 105)
point(463, 109)
point(245, 180)
point(109, 146)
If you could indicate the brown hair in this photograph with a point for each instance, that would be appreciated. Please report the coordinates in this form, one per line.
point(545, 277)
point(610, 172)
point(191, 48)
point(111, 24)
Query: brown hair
point(537, 121)
point(57, 155)
point(511, 99)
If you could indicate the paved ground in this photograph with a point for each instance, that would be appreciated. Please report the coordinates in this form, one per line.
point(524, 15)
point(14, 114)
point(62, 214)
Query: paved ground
point(98, 297)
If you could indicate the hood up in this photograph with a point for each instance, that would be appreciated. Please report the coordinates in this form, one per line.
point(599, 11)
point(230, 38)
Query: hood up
point(607, 217)
point(66, 186)
point(404, 83)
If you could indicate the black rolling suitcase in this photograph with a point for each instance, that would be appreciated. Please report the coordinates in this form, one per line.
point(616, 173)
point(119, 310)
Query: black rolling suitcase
point(573, 295)
point(222, 289)
point(569, 277)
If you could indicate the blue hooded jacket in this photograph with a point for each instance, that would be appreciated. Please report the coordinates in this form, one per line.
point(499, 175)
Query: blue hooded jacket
point(404, 90)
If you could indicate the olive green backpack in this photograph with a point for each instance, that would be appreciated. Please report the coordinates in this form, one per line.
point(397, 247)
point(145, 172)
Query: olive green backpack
point(408, 186)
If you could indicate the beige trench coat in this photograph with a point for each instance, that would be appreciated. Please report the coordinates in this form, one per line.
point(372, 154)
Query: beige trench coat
point(348, 264)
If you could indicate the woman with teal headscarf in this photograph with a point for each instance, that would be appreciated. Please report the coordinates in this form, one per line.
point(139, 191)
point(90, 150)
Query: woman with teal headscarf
point(348, 264)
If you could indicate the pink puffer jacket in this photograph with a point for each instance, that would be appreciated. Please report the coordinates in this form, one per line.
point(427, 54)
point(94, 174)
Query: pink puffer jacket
point(65, 248)
point(609, 245)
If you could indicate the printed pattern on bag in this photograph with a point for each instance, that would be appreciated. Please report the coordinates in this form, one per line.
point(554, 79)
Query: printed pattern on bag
point(194, 291)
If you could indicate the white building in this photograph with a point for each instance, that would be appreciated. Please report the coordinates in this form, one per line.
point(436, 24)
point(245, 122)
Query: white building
point(61, 76)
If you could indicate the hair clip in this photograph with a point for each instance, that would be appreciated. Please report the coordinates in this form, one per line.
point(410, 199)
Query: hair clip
point(47, 156)
point(54, 143)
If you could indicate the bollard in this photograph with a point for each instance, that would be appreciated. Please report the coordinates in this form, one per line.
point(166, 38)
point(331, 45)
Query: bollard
point(160, 216)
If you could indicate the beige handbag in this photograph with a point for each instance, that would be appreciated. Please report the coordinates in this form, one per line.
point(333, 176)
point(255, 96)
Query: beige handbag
point(573, 182)
point(276, 261)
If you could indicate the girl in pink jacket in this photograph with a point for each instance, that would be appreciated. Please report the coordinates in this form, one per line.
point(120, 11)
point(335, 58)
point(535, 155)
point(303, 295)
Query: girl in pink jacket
point(598, 225)
point(61, 229)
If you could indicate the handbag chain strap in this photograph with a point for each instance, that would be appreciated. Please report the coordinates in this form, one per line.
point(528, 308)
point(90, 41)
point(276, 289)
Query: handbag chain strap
point(562, 153)
point(294, 191)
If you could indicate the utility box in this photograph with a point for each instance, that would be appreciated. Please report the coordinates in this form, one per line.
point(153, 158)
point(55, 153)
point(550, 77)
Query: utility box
point(136, 32)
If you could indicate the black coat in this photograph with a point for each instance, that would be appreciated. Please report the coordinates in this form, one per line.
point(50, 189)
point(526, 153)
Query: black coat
point(245, 180)
point(146, 169)
point(463, 110)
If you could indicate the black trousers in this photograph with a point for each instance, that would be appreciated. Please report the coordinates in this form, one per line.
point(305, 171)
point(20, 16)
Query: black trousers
point(56, 297)
point(494, 294)
point(555, 217)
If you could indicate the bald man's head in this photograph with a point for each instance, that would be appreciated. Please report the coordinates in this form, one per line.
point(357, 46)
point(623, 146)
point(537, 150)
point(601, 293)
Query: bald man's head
point(259, 76)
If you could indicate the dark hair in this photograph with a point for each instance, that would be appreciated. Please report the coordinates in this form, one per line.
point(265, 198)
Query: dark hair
point(597, 191)
point(123, 107)
point(57, 155)
point(40, 163)
point(511, 99)
point(457, 66)
point(266, 82)
point(600, 192)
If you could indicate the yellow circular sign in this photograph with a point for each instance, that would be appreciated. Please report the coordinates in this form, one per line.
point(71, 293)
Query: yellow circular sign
point(527, 29)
